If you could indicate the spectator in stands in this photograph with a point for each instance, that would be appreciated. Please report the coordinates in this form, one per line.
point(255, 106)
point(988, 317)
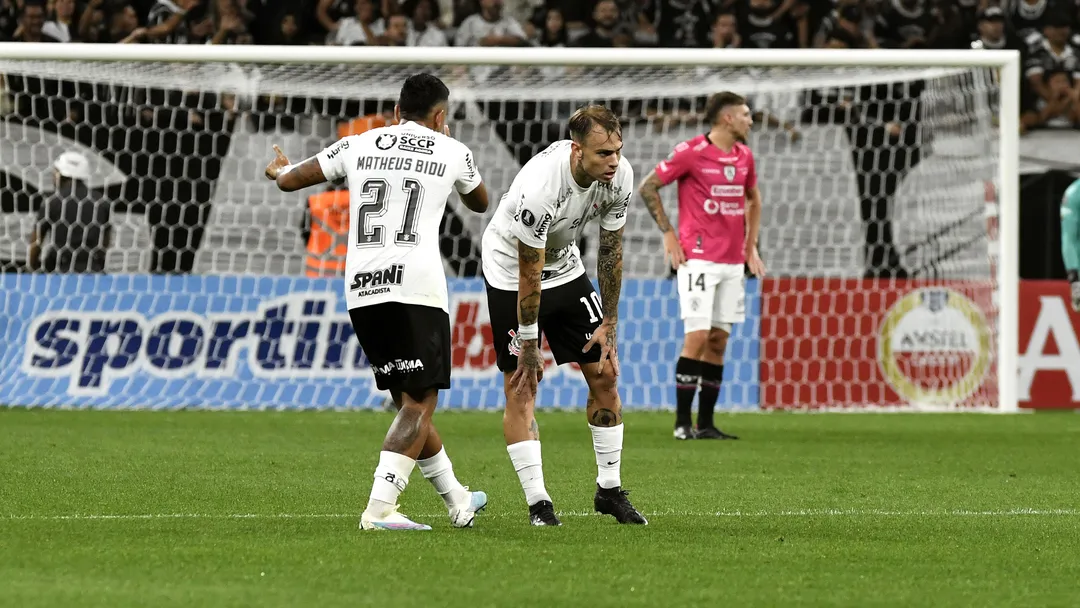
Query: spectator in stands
point(59, 25)
point(905, 24)
point(725, 31)
point(1028, 17)
point(951, 28)
point(763, 25)
point(230, 29)
point(553, 29)
point(683, 23)
point(168, 22)
point(991, 33)
point(1055, 50)
point(638, 19)
point(845, 24)
point(397, 30)
point(72, 230)
point(603, 33)
point(1061, 111)
point(9, 19)
point(123, 27)
point(289, 31)
point(490, 27)
point(424, 24)
point(31, 20)
point(329, 13)
point(363, 29)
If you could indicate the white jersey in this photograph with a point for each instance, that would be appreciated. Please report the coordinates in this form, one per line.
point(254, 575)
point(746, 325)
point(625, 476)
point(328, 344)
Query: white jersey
point(399, 179)
point(546, 208)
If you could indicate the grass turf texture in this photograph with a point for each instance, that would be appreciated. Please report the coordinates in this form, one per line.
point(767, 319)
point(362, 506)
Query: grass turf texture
point(935, 510)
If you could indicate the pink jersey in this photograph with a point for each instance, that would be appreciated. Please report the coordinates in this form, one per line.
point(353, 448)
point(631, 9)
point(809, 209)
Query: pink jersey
point(712, 198)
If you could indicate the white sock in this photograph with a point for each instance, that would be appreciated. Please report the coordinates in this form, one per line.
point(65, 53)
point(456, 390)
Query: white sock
point(529, 466)
point(440, 472)
point(391, 477)
point(607, 443)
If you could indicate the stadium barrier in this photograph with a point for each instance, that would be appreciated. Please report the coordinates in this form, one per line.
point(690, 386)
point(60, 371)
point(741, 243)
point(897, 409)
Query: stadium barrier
point(271, 342)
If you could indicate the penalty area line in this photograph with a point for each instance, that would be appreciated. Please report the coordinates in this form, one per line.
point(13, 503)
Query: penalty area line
point(882, 513)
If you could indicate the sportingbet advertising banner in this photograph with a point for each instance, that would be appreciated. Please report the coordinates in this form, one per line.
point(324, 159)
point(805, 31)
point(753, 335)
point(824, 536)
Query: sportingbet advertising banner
point(1049, 359)
point(166, 341)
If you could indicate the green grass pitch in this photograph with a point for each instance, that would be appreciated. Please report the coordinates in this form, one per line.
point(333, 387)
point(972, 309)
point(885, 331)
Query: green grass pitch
point(261, 509)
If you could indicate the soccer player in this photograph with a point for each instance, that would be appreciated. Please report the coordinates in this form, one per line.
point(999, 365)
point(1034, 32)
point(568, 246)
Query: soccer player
point(1070, 240)
point(719, 219)
point(536, 283)
point(399, 178)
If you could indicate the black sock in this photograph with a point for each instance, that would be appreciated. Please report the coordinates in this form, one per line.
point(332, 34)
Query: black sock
point(687, 374)
point(711, 376)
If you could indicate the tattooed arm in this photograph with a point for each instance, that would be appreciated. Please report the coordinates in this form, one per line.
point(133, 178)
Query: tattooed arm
point(609, 264)
point(649, 189)
point(530, 368)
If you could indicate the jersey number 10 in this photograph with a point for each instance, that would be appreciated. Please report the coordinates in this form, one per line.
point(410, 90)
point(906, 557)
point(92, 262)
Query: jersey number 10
point(374, 194)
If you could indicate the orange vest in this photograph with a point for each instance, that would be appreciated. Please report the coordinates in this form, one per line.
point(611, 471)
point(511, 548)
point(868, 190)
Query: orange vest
point(329, 241)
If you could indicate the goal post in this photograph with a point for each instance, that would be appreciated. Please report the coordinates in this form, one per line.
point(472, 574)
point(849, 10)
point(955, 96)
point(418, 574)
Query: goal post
point(836, 325)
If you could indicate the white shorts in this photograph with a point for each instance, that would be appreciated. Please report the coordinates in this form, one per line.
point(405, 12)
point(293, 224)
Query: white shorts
point(711, 295)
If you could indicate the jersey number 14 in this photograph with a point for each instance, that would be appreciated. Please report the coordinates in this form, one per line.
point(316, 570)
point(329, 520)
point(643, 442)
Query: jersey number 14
point(374, 193)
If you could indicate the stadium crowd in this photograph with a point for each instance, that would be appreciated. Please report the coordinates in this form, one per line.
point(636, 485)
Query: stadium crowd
point(1047, 32)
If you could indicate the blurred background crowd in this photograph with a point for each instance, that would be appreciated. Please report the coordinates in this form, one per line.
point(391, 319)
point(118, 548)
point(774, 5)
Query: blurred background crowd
point(1047, 32)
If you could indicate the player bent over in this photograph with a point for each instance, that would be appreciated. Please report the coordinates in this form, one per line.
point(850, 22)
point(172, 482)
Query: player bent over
point(536, 284)
point(719, 219)
point(399, 178)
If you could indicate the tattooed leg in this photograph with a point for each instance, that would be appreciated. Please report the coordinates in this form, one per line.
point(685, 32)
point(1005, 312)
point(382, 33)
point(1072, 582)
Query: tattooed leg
point(519, 420)
point(604, 408)
point(408, 433)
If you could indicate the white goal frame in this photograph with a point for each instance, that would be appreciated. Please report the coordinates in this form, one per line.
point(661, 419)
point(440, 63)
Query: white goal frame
point(1008, 62)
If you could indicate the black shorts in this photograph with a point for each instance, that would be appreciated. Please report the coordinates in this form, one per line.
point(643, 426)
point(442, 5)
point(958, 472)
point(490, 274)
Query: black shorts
point(408, 345)
point(569, 314)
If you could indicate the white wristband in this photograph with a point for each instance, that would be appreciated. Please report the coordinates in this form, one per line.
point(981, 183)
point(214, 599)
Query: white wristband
point(529, 332)
point(286, 169)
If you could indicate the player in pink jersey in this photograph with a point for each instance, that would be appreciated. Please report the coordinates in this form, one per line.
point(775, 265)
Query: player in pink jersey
point(719, 219)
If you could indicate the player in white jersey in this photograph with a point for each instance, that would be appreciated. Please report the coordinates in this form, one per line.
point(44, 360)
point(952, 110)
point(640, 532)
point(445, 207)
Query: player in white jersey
point(537, 284)
point(399, 178)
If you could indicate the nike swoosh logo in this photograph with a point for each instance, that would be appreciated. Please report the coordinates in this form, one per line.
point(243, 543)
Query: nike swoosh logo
point(611, 463)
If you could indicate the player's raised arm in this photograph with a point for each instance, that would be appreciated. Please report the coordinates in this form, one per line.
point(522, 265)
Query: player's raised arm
point(1070, 240)
point(327, 165)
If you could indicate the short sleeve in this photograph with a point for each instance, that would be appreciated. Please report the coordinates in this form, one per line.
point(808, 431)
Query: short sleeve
point(534, 215)
point(751, 170)
point(677, 165)
point(332, 160)
point(468, 178)
point(615, 216)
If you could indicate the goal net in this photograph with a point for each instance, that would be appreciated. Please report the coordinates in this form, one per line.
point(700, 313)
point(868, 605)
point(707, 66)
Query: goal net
point(882, 176)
